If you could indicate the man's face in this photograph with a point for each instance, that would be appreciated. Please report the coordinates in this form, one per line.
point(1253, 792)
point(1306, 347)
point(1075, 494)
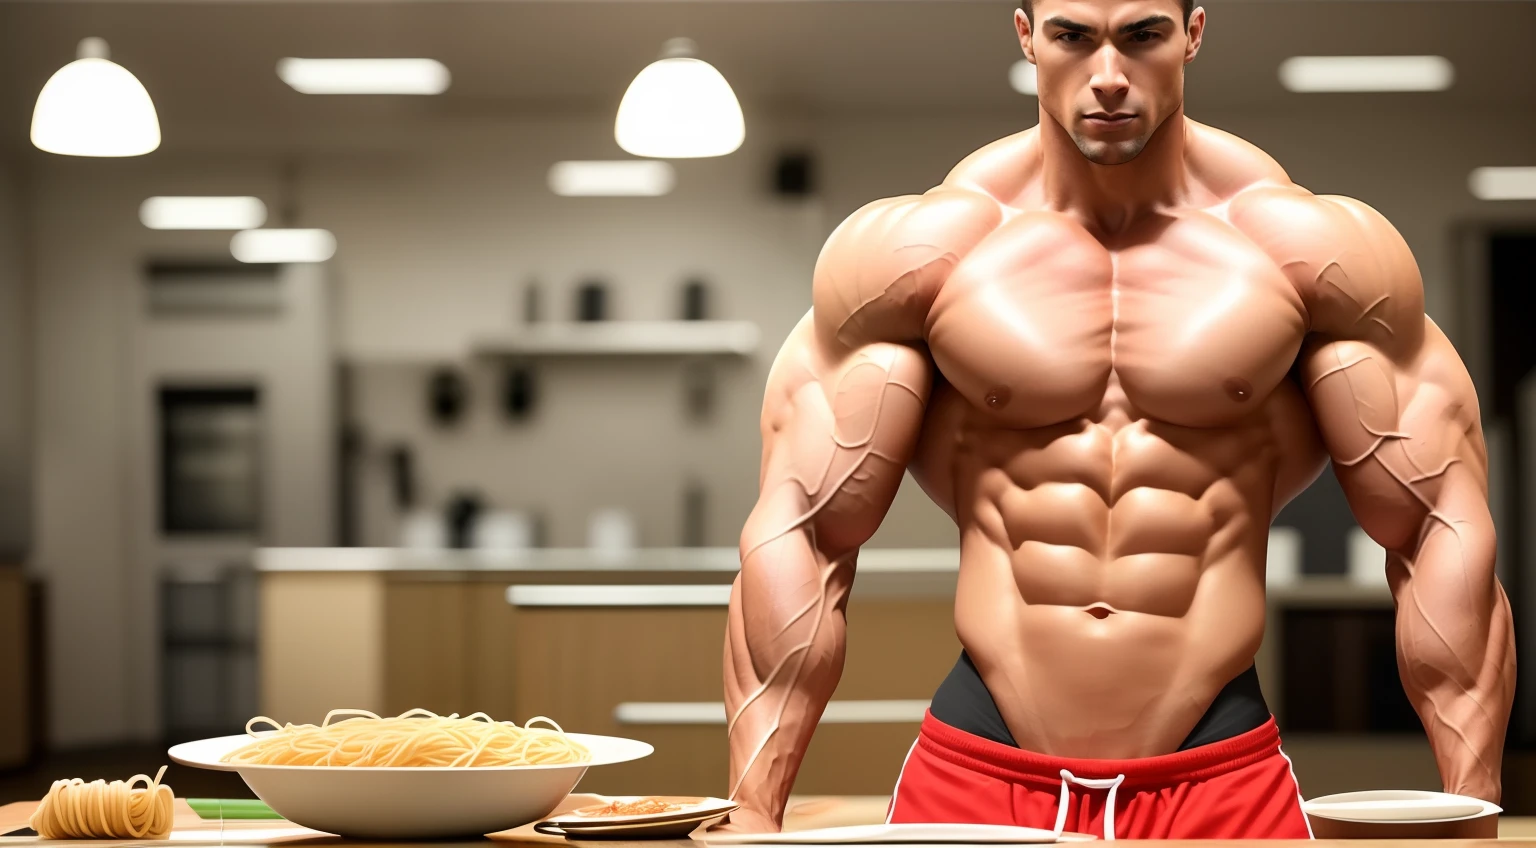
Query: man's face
point(1110, 71)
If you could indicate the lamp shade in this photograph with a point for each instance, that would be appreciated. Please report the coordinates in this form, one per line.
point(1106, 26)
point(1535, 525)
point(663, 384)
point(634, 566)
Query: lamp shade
point(680, 107)
point(94, 107)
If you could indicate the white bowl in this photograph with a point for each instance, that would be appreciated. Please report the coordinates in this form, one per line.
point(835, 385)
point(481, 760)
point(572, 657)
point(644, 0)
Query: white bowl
point(410, 803)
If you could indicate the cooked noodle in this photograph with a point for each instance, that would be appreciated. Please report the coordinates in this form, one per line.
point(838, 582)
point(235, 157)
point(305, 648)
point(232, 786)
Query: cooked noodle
point(75, 809)
point(642, 807)
point(415, 738)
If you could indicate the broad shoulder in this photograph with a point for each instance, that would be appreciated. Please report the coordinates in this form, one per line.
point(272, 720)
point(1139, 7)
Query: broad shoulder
point(1352, 268)
point(882, 267)
point(1224, 164)
point(1002, 170)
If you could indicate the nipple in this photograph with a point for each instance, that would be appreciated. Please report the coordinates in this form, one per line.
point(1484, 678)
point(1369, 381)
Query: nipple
point(998, 397)
point(1238, 389)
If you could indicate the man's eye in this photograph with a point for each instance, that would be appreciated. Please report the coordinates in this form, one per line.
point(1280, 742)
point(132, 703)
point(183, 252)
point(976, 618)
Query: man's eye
point(1070, 37)
point(1144, 36)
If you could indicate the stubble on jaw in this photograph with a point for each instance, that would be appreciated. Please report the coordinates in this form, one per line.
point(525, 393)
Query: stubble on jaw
point(1109, 152)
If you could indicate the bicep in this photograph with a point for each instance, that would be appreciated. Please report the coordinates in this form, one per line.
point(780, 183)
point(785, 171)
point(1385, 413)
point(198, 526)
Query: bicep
point(1403, 433)
point(846, 398)
point(839, 427)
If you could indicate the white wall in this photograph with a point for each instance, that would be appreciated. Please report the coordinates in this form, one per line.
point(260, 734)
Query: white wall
point(15, 450)
point(439, 229)
point(80, 295)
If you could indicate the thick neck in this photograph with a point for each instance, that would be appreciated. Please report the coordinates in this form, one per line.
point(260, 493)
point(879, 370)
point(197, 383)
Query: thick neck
point(1112, 197)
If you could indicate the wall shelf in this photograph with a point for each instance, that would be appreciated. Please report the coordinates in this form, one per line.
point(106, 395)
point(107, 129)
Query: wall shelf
point(625, 338)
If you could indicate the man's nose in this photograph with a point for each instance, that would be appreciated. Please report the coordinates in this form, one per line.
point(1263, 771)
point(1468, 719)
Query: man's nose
point(1109, 80)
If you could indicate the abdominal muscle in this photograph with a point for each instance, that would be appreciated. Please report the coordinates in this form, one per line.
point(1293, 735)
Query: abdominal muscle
point(1110, 583)
point(1085, 681)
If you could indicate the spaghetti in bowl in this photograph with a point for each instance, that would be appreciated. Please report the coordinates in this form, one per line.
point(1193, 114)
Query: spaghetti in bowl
point(418, 801)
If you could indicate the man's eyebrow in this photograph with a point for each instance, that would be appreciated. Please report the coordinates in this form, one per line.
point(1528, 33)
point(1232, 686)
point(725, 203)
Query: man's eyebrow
point(1146, 23)
point(1072, 26)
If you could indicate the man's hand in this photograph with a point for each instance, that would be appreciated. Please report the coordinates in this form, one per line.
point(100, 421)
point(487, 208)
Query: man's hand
point(743, 820)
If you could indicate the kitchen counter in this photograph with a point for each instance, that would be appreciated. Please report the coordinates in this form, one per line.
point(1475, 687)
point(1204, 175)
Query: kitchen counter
point(803, 813)
point(881, 572)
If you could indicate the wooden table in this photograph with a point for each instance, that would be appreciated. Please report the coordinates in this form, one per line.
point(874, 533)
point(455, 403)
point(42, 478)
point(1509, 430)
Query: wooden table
point(803, 813)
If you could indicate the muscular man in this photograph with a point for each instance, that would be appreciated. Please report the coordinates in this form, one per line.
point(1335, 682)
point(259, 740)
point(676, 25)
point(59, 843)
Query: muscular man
point(1112, 347)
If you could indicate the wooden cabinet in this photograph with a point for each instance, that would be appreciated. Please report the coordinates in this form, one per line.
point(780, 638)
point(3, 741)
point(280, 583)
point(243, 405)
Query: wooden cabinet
point(427, 630)
point(17, 695)
point(15, 671)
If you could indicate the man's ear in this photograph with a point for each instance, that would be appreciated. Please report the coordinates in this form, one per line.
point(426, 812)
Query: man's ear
point(1196, 33)
point(1026, 31)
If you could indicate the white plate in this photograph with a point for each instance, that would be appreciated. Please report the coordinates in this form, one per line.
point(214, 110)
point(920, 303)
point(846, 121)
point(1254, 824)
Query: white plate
point(410, 803)
point(677, 824)
point(891, 833)
point(1398, 805)
point(689, 807)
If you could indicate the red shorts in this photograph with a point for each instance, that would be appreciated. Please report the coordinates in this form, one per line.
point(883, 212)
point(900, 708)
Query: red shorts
point(1240, 788)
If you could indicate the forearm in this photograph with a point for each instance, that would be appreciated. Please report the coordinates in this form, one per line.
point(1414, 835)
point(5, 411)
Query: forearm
point(783, 657)
point(1456, 649)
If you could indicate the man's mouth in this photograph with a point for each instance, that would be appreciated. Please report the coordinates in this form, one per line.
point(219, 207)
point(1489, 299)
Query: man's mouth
point(1109, 120)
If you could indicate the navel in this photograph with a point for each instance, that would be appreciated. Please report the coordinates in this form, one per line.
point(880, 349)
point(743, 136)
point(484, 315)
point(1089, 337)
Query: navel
point(1238, 389)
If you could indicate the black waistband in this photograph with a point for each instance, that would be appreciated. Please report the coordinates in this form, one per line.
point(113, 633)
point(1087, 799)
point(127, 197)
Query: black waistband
point(964, 703)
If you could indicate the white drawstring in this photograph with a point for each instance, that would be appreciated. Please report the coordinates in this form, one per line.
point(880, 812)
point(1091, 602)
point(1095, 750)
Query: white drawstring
point(1112, 784)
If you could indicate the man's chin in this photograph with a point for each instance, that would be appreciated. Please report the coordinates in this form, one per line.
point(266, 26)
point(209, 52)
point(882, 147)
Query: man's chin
point(1110, 152)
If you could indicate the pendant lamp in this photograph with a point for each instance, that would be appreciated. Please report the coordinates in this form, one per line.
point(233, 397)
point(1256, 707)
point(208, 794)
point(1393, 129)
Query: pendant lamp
point(94, 107)
point(680, 107)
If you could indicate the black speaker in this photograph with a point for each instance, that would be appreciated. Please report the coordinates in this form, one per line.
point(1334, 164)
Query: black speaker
point(402, 476)
point(519, 391)
point(447, 396)
point(695, 300)
point(592, 301)
point(794, 175)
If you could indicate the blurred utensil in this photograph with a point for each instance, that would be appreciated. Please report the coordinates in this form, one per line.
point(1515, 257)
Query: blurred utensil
point(611, 531)
point(503, 530)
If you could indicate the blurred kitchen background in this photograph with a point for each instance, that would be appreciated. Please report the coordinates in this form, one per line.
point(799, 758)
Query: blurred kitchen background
point(403, 455)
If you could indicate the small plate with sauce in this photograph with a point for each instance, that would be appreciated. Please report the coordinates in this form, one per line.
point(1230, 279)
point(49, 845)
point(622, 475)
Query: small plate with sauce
point(637, 817)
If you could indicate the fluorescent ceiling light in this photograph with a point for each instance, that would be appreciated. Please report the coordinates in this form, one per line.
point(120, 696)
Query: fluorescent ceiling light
point(364, 76)
point(283, 245)
point(94, 107)
point(1366, 73)
point(202, 213)
point(1503, 183)
point(1022, 77)
point(638, 178)
point(679, 107)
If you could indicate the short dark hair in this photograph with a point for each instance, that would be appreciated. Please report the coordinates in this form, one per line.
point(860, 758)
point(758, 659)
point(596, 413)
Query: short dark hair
point(1029, 10)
